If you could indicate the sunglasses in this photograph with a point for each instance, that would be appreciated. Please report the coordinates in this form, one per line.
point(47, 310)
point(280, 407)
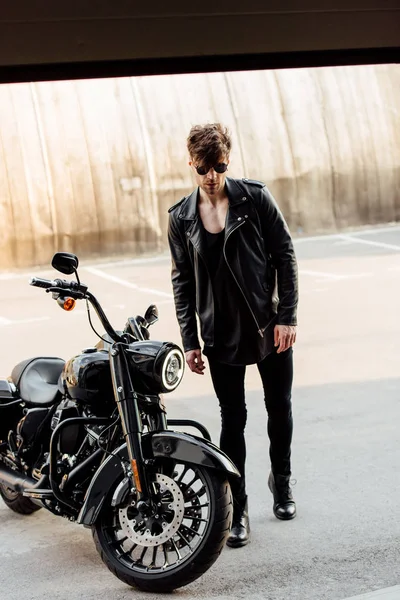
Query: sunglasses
point(219, 168)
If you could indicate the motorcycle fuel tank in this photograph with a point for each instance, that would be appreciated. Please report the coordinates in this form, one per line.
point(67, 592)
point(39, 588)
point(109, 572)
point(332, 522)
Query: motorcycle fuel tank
point(87, 377)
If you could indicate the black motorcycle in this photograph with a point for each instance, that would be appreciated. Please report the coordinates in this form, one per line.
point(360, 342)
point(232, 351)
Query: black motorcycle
point(89, 440)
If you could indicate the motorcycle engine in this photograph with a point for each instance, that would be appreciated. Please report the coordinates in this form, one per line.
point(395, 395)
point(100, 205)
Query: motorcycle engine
point(71, 437)
point(29, 426)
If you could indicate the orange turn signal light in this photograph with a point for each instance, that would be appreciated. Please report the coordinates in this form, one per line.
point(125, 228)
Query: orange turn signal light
point(136, 475)
point(69, 304)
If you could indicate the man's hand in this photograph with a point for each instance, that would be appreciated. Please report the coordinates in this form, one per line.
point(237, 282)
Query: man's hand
point(195, 361)
point(284, 337)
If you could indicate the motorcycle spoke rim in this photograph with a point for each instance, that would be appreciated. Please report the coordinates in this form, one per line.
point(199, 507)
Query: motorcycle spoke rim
point(181, 546)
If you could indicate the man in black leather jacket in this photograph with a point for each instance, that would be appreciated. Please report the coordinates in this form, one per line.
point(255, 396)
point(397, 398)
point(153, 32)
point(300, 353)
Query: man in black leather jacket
point(233, 264)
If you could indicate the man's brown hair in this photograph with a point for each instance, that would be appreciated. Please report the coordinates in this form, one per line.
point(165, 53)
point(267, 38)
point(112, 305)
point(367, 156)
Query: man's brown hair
point(207, 144)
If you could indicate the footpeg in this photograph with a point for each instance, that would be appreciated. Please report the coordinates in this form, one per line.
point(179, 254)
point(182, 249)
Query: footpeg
point(38, 494)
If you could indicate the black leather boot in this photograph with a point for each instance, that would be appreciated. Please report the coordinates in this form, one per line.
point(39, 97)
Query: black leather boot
point(240, 532)
point(284, 506)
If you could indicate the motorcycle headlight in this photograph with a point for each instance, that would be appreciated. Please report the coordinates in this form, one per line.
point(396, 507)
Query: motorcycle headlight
point(172, 369)
point(158, 366)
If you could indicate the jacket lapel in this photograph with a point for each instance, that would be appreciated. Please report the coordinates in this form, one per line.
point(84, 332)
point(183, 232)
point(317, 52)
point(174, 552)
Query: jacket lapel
point(193, 227)
point(238, 206)
point(237, 213)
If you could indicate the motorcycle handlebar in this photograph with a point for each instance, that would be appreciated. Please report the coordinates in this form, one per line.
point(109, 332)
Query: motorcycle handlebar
point(56, 283)
point(103, 318)
point(69, 285)
point(42, 283)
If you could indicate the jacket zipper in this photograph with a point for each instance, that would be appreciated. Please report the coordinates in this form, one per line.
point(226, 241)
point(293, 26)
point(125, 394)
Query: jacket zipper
point(259, 330)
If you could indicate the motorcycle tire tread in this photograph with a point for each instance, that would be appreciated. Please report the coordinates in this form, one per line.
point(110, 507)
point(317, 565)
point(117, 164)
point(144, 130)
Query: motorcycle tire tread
point(19, 504)
point(204, 559)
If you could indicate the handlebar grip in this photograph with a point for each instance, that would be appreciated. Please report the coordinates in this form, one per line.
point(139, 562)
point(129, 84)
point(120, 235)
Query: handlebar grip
point(42, 283)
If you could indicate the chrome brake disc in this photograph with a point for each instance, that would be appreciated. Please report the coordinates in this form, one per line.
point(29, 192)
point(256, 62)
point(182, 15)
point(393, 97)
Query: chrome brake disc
point(133, 528)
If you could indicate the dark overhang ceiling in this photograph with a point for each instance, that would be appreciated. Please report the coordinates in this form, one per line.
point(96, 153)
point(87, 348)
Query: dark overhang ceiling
point(53, 40)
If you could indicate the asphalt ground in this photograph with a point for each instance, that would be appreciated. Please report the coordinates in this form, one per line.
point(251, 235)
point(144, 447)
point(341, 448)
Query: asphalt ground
point(346, 448)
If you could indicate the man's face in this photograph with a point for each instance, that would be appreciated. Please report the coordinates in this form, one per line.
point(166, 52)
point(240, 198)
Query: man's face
point(212, 182)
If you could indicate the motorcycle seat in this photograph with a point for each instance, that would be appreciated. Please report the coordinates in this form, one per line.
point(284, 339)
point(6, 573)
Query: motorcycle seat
point(36, 379)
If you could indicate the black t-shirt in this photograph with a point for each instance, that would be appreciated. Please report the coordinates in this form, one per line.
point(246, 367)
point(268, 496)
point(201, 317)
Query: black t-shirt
point(231, 312)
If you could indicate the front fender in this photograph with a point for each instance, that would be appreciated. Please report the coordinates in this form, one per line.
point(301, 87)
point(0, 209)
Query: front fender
point(176, 446)
point(188, 449)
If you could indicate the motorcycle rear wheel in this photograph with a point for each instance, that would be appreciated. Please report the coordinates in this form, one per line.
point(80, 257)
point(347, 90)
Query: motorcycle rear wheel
point(181, 544)
point(17, 502)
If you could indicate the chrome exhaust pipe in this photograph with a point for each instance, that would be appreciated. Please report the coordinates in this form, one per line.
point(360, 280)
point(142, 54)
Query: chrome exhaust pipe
point(19, 482)
point(14, 480)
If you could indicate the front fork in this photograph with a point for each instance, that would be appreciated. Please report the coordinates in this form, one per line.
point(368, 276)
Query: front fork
point(132, 426)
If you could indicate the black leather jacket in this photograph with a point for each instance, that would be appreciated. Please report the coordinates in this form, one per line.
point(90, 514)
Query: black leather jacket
point(258, 250)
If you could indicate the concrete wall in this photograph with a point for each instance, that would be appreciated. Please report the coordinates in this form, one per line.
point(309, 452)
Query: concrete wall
point(92, 166)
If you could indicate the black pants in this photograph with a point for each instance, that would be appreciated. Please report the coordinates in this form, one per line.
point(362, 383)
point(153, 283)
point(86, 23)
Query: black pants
point(276, 372)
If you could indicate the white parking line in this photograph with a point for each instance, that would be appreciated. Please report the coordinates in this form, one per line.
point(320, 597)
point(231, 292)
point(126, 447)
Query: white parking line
point(351, 237)
point(317, 290)
point(7, 276)
point(332, 276)
point(169, 301)
point(319, 274)
point(4, 321)
point(347, 242)
point(132, 261)
point(392, 593)
point(357, 240)
point(338, 236)
point(27, 274)
point(126, 283)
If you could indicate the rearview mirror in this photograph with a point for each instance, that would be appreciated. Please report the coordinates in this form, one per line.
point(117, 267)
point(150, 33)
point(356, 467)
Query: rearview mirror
point(151, 314)
point(65, 262)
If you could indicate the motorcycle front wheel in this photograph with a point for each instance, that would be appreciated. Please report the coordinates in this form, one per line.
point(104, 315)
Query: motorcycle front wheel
point(177, 541)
